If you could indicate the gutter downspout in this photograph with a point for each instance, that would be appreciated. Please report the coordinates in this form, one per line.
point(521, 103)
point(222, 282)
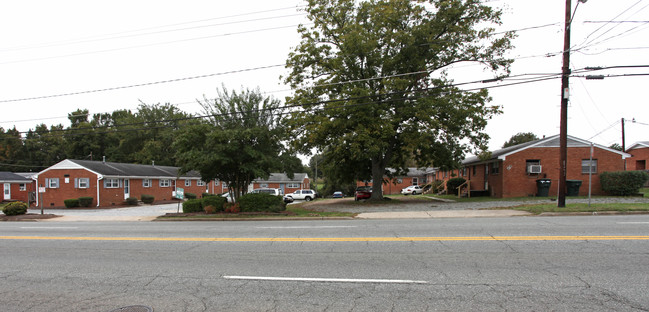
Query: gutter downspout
point(35, 178)
point(99, 177)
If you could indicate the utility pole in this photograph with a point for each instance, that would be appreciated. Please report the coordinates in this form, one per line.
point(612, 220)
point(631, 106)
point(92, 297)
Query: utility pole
point(623, 143)
point(565, 94)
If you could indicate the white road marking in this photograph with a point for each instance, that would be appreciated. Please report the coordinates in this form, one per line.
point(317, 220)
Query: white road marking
point(632, 222)
point(49, 227)
point(305, 227)
point(334, 280)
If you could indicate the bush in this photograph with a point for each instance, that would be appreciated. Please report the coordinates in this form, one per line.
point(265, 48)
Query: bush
point(85, 201)
point(207, 195)
point(190, 195)
point(453, 183)
point(192, 205)
point(147, 199)
point(261, 202)
point(132, 201)
point(15, 208)
point(217, 202)
point(623, 183)
point(71, 203)
point(232, 208)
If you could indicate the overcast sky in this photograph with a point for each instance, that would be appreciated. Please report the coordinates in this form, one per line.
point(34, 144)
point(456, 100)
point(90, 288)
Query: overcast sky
point(57, 56)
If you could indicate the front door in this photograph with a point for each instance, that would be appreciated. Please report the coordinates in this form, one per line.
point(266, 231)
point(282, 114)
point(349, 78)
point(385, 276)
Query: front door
point(127, 189)
point(7, 191)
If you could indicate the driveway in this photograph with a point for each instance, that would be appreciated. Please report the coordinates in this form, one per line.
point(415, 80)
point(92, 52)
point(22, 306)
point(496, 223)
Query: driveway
point(139, 213)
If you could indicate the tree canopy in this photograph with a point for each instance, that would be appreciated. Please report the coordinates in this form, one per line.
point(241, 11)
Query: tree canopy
point(372, 80)
point(520, 138)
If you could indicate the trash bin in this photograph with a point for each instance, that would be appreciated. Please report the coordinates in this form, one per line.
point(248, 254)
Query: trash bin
point(572, 187)
point(543, 187)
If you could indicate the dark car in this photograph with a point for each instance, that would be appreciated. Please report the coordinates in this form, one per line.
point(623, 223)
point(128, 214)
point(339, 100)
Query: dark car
point(363, 192)
point(338, 195)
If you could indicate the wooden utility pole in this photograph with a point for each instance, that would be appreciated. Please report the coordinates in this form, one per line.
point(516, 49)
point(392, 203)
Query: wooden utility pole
point(565, 95)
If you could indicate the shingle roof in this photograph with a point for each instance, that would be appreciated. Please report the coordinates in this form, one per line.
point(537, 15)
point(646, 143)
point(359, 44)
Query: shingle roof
point(282, 178)
point(640, 144)
point(10, 177)
point(131, 170)
point(414, 172)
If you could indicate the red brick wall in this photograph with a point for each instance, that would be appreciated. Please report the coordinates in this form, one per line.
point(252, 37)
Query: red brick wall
point(16, 193)
point(392, 186)
point(638, 154)
point(54, 197)
point(287, 190)
point(519, 183)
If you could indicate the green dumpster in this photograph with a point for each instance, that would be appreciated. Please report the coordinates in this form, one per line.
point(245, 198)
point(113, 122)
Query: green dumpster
point(572, 187)
point(543, 187)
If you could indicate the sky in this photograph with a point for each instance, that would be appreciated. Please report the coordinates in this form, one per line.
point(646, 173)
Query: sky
point(60, 56)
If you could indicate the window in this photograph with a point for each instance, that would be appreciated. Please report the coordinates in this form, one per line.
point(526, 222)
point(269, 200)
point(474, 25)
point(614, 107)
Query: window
point(293, 185)
point(216, 182)
point(263, 185)
point(495, 168)
point(640, 165)
point(111, 183)
point(464, 172)
point(146, 183)
point(589, 167)
point(82, 183)
point(415, 181)
point(53, 183)
point(200, 183)
point(23, 187)
point(165, 183)
point(474, 170)
point(399, 181)
point(531, 162)
point(188, 182)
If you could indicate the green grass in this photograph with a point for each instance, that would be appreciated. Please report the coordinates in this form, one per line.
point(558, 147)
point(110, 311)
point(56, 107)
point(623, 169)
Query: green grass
point(541, 208)
point(645, 191)
point(295, 211)
point(482, 198)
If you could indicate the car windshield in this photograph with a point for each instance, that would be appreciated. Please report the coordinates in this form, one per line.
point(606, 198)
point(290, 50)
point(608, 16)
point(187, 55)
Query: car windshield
point(364, 188)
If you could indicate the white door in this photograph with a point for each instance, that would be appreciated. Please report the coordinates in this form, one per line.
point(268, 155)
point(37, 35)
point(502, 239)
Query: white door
point(127, 189)
point(7, 191)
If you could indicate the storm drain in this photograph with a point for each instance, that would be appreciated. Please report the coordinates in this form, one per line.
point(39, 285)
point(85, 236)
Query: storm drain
point(134, 308)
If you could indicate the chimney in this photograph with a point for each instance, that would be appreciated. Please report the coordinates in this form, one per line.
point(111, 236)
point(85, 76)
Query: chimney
point(153, 163)
point(104, 159)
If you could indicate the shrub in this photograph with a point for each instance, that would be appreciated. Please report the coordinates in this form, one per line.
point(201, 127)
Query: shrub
point(192, 205)
point(217, 202)
point(85, 201)
point(623, 183)
point(436, 186)
point(132, 201)
point(190, 195)
point(207, 195)
point(71, 203)
point(261, 202)
point(15, 208)
point(453, 183)
point(147, 199)
point(232, 208)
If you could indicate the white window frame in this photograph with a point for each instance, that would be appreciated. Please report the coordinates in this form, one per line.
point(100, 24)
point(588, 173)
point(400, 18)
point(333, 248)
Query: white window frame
point(22, 187)
point(200, 183)
point(164, 183)
point(53, 183)
point(415, 181)
point(188, 182)
point(292, 185)
point(111, 183)
point(86, 182)
point(585, 167)
point(146, 182)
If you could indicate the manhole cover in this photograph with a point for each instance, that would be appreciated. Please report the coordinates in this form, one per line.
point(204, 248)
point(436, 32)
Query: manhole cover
point(134, 308)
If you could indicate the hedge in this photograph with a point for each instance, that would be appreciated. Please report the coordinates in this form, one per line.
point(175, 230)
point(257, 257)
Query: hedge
point(71, 203)
point(623, 183)
point(15, 208)
point(192, 205)
point(452, 184)
point(217, 202)
point(261, 202)
point(190, 195)
point(85, 201)
point(147, 199)
point(132, 201)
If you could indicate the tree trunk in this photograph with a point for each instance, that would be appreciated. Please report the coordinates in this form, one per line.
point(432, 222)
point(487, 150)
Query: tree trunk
point(378, 168)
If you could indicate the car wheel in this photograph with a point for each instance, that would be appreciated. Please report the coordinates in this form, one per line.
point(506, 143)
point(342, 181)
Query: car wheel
point(307, 198)
point(414, 192)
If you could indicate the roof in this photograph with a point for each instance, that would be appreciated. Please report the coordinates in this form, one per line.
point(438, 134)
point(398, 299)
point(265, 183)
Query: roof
point(641, 144)
point(113, 169)
point(552, 142)
point(415, 172)
point(282, 178)
point(10, 177)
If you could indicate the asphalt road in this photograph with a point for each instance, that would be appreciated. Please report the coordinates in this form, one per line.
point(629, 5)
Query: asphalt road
point(483, 264)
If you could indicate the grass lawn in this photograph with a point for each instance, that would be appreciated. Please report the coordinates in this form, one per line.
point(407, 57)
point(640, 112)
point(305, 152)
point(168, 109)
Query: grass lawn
point(293, 211)
point(541, 208)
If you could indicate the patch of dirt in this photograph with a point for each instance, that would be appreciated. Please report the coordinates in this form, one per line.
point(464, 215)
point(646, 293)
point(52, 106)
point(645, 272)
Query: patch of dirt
point(28, 217)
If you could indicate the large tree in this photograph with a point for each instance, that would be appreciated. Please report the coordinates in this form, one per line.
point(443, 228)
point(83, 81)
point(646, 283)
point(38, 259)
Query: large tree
point(241, 141)
point(520, 138)
point(372, 80)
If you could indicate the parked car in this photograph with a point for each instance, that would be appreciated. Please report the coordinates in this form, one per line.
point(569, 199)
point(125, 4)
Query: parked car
point(273, 191)
point(413, 189)
point(307, 195)
point(228, 197)
point(338, 195)
point(363, 192)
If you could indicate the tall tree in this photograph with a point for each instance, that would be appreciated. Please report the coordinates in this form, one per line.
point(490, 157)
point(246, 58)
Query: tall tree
point(520, 138)
point(241, 141)
point(372, 80)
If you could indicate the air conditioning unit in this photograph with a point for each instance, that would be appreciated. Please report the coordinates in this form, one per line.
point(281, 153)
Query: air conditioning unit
point(534, 169)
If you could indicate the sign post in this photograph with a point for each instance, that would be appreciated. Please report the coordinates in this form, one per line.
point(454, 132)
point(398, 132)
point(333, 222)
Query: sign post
point(41, 190)
point(180, 194)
